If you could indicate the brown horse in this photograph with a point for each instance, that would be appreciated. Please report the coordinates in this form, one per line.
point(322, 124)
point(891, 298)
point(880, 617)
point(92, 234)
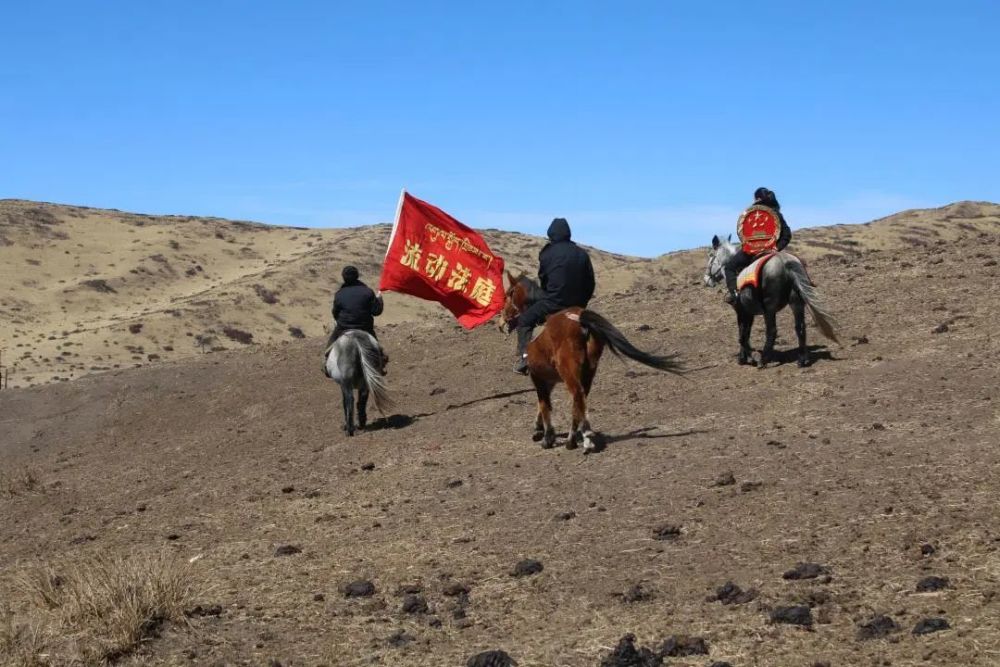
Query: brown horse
point(568, 351)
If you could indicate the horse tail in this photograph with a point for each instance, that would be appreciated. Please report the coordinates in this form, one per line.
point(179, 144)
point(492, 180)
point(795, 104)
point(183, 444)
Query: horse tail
point(371, 364)
point(824, 321)
point(614, 339)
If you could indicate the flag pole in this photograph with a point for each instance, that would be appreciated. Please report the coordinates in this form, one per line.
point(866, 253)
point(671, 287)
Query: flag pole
point(395, 222)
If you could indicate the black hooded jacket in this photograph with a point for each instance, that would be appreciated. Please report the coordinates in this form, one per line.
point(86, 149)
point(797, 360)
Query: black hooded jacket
point(565, 272)
point(355, 306)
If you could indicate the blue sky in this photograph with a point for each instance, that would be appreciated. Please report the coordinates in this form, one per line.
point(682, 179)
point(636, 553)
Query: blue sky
point(647, 124)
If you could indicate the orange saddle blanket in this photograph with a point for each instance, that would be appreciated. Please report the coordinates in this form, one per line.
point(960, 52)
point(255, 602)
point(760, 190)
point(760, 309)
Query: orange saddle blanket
point(750, 276)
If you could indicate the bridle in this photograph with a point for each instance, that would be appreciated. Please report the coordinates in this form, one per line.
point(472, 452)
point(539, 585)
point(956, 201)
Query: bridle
point(510, 312)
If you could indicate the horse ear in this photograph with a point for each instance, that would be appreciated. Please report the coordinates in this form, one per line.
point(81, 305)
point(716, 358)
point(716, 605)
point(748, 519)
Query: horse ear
point(510, 278)
point(730, 238)
point(715, 241)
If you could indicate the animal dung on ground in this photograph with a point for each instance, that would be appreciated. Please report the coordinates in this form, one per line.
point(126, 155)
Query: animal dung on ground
point(730, 593)
point(680, 646)
point(626, 654)
point(414, 604)
point(805, 571)
point(636, 593)
point(725, 479)
point(409, 589)
point(880, 626)
point(399, 638)
point(359, 589)
point(287, 550)
point(491, 659)
point(455, 589)
point(527, 567)
point(666, 531)
point(929, 584)
point(793, 615)
point(929, 625)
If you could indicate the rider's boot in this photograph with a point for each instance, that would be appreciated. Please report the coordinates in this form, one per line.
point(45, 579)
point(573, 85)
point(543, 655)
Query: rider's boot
point(523, 338)
point(732, 295)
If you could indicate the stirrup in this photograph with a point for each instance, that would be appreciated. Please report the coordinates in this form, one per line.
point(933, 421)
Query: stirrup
point(521, 366)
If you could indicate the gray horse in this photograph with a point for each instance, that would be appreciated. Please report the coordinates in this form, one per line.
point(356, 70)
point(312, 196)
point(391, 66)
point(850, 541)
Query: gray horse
point(784, 282)
point(354, 361)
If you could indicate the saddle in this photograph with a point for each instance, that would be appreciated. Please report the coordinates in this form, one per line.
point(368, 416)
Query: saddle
point(751, 276)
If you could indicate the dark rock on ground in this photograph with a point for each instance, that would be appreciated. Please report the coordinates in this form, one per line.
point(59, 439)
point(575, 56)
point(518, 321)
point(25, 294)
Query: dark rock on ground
point(287, 550)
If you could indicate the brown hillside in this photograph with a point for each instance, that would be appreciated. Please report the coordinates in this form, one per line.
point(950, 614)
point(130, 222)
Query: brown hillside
point(878, 464)
point(87, 290)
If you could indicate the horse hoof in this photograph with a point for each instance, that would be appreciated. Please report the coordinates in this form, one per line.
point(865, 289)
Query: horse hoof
point(549, 440)
point(537, 436)
point(803, 363)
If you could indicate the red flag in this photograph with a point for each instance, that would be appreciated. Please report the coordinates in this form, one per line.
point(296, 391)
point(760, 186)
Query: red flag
point(435, 257)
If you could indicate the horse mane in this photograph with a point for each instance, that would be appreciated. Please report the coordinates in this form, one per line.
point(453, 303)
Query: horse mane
point(532, 290)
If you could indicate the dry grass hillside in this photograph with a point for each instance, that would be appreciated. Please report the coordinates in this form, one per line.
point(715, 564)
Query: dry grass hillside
point(86, 290)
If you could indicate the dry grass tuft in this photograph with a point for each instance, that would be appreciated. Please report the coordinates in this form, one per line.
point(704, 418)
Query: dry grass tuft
point(20, 645)
point(20, 482)
point(107, 606)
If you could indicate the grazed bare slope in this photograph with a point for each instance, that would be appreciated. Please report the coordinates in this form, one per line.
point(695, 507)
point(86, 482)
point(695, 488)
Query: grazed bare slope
point(879, 463)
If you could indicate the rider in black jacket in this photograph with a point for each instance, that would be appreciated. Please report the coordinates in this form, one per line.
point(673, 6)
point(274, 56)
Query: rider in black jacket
point(355, 307)
point(742, 260)
point(566, 276)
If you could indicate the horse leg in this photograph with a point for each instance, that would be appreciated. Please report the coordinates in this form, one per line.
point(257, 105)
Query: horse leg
point(363, 406)
point(348, 394)
point(799, 310)
point(543, 422)
point(771, 324)
point(572, 374)
point(745, 321)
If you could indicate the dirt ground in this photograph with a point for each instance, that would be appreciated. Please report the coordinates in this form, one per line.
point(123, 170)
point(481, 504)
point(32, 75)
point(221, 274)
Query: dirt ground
point(878, 463)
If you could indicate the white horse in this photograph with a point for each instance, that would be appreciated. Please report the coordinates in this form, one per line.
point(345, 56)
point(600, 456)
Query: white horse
point(784, 282)
point(354, 361)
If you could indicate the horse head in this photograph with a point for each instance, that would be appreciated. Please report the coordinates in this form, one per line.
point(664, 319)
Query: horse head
point(515, 301)
point(720, 253)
